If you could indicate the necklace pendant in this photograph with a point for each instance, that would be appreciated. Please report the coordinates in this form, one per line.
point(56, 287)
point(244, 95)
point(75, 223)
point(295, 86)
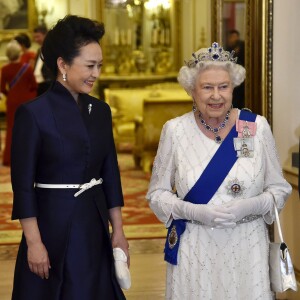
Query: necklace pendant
point(215, 131)
point(218, 139)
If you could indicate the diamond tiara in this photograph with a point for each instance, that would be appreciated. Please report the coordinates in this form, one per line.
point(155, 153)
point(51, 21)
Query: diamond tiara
point(213, 53)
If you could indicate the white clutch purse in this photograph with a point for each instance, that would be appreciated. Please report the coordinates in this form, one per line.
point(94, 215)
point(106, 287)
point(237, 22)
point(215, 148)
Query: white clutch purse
point(121, 267)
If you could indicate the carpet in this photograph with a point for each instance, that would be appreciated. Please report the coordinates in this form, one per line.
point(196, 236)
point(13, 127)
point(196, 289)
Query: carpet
point(139, 220)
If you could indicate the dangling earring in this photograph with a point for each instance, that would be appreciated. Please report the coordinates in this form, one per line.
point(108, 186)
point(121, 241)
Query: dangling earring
point(64, 76)
point(194, 106)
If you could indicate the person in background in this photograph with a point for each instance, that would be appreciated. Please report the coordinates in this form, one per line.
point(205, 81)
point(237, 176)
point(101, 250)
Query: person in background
point(27, 55)
point(65, 177)
point(18, 85)
point(234, 43)
point(42, 75)
point(215, 181)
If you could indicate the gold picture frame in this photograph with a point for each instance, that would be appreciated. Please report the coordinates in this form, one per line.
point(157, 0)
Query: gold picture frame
point(25, 15)
point(258, 51)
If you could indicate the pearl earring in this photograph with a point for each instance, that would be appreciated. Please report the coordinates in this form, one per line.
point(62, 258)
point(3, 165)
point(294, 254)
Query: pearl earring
point(64, 76)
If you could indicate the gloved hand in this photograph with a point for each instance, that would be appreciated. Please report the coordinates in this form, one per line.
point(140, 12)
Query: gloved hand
point(211, 215)
point(258, 205)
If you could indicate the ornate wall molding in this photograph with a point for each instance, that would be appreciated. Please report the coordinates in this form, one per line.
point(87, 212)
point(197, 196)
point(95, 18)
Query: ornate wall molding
point(258, 51)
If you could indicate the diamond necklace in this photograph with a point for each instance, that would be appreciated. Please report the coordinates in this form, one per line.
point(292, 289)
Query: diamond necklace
point(216, 130)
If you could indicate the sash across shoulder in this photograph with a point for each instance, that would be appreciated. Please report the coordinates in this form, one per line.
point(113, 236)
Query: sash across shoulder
point(205, 187)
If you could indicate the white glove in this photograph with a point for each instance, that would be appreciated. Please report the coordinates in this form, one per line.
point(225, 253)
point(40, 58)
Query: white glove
point(258, 205)
point(211, 215)
point(121, 267)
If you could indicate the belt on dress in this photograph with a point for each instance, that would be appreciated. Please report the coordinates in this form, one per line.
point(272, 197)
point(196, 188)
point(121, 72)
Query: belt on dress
point(246, 219)
point(82, 187)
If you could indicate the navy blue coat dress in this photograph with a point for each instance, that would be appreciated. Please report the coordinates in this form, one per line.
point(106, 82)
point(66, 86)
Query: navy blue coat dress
point(57, 141)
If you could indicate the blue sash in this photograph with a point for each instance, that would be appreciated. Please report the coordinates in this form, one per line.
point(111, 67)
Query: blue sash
point(18, 75)
point(206, 186)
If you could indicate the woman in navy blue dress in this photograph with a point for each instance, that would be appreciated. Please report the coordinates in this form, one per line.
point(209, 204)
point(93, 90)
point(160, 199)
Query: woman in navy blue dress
point(65, 177)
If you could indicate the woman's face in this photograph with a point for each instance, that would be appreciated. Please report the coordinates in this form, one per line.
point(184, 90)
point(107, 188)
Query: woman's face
point(84, 69)
point(213, 93)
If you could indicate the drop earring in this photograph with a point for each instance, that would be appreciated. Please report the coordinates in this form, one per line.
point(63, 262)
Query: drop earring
point(64, 77)
point(194, 106)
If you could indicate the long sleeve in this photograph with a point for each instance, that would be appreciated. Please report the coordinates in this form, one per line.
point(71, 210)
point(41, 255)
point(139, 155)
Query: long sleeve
point(161, 194)
point(110, 171)
point(26, 143)
point(274, 182)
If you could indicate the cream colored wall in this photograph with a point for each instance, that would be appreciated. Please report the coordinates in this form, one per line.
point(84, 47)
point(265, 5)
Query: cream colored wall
point(196, 25)
point(290, 226)
point(85, 8)
point(286, 115)
point(57, 9)
point(286, 87)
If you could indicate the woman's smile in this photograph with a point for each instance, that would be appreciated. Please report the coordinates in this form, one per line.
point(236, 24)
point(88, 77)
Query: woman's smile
point(89, 83)
point(216, 106)
point(213, 94)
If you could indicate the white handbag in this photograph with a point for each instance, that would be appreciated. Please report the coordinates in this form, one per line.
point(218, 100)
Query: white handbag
point(282, 275)
point(121, 267)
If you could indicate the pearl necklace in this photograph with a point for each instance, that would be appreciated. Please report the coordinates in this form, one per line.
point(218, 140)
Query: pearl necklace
point(216, 130)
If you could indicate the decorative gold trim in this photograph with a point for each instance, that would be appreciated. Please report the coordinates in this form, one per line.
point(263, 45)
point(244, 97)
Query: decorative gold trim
point(267, 109)
point(176, 24)
point(216, 20)
point(258, 51)
point(256, 60)
point(248, 65)
point(8, 34)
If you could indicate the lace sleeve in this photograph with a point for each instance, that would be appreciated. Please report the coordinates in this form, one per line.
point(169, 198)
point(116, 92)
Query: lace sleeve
point(274, 182)
point(161, 194)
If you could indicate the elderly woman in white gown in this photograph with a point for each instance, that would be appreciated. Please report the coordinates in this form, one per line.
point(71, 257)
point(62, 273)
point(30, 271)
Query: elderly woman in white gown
point(215, 180)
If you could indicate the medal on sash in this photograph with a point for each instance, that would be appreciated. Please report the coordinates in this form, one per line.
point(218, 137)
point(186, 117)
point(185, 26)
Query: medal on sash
point(243, 144)
point(217, 169)
point(244, 147)
point(172, 237)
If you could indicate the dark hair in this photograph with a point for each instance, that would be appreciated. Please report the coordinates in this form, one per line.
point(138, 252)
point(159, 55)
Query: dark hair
point(23, 39)
point(41, 29)
point(233, 31)
point(67, 37)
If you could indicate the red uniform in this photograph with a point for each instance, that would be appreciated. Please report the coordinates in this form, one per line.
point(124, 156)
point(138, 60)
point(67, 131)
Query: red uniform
point(23, 90)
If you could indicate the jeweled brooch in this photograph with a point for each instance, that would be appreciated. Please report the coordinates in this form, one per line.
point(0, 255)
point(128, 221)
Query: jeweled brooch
point(235, 187)
point(173, 237)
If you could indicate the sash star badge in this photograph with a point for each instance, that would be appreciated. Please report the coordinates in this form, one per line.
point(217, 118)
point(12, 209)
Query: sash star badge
point(235, 187)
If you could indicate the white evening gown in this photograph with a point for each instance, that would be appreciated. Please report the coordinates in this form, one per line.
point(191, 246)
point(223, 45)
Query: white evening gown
point(216, 264)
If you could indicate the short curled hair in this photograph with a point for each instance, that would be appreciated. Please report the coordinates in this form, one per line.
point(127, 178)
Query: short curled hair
point(13, 50)
point(66, 39)
point(187, 76)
